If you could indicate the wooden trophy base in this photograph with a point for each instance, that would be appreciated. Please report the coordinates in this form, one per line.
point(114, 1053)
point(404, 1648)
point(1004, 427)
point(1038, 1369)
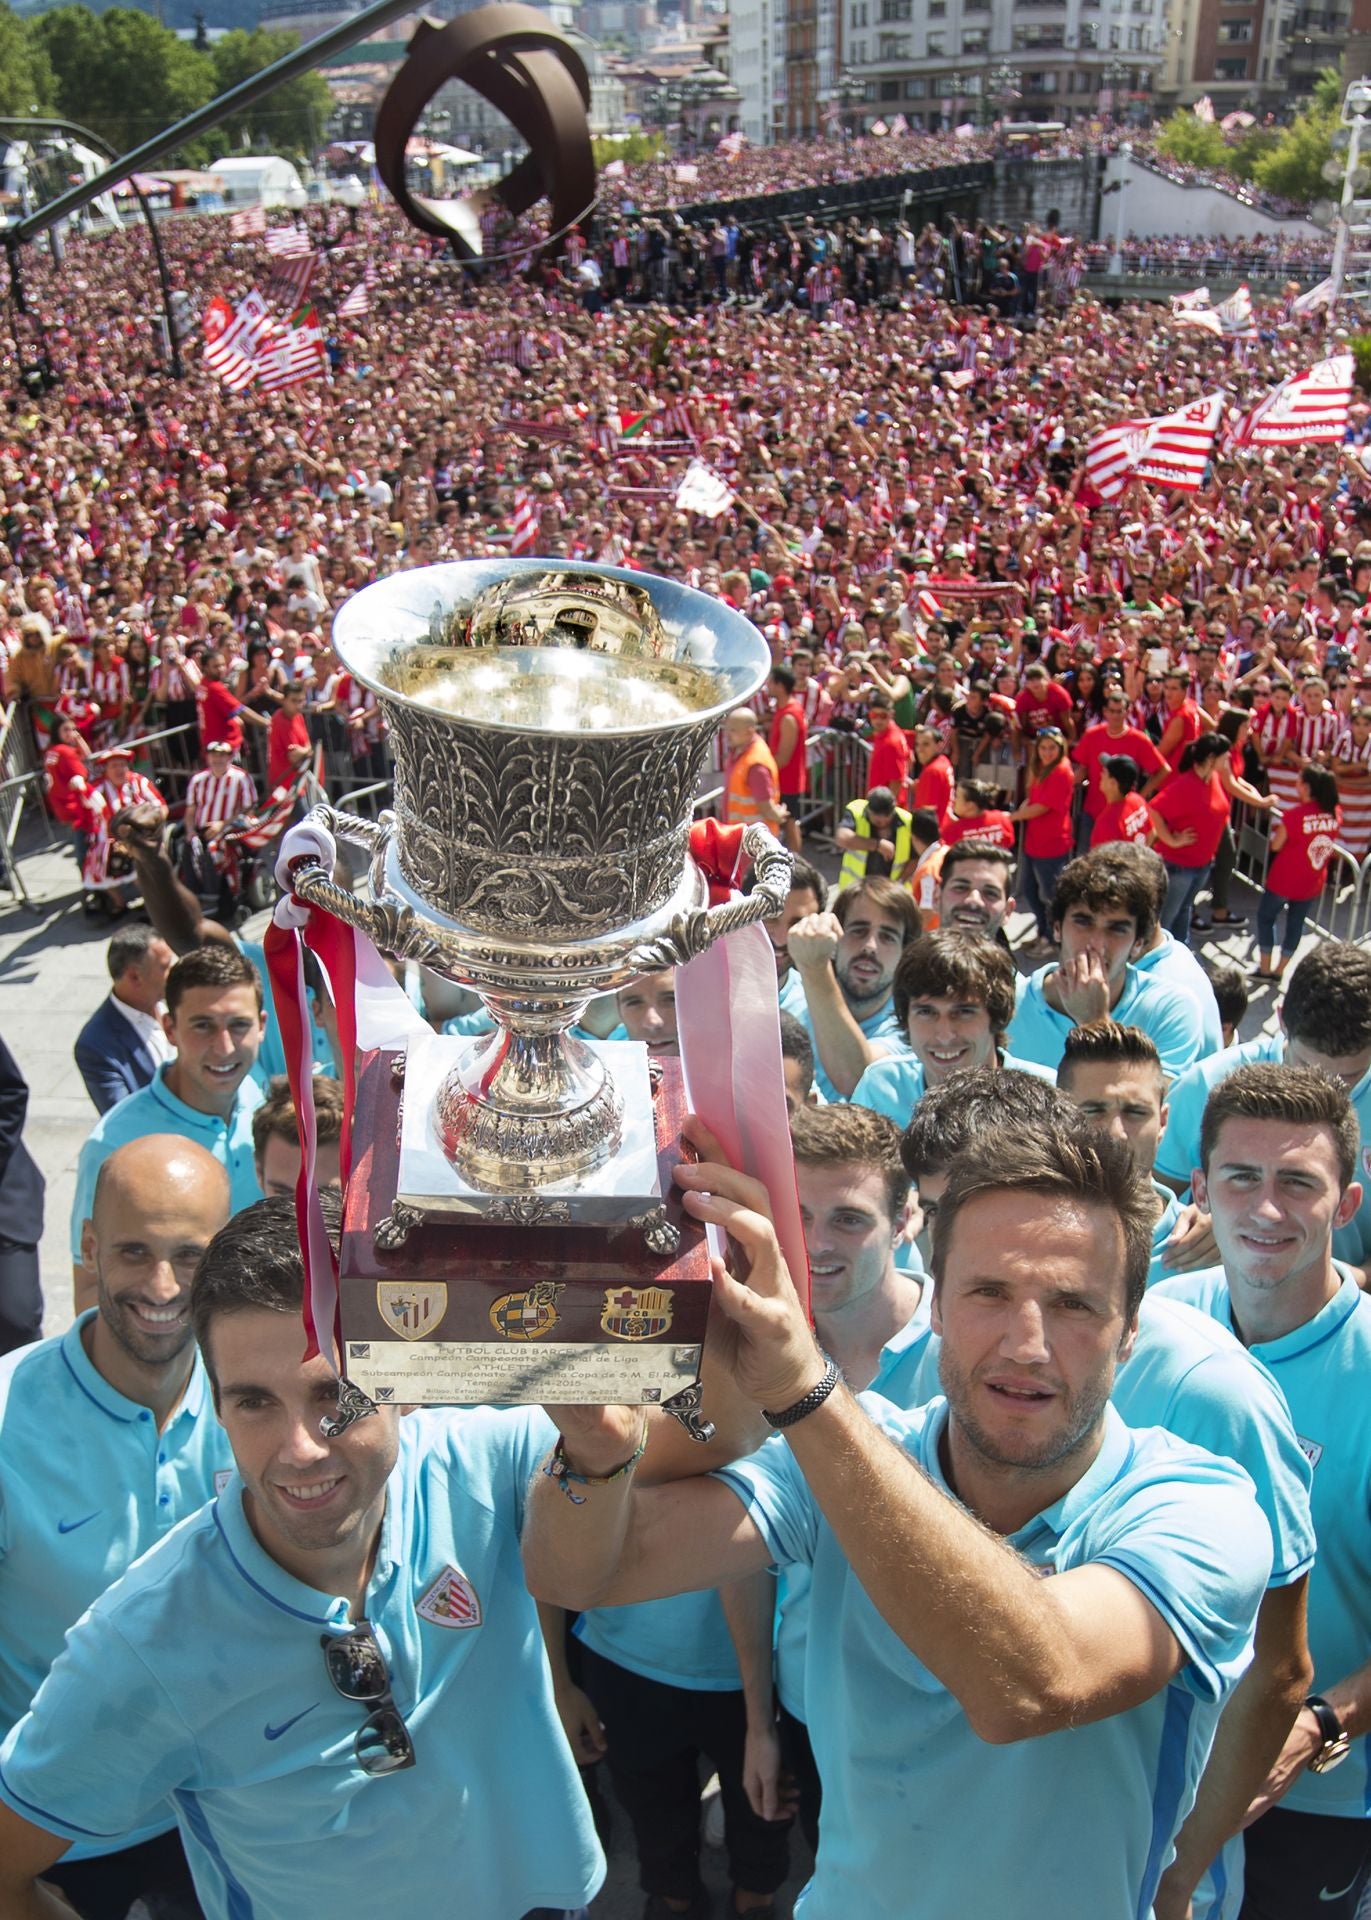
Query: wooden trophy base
point(443, 1309)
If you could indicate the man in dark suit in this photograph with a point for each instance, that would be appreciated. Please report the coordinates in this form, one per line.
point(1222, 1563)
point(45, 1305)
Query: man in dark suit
point(21, 1215)
point(122, 1045)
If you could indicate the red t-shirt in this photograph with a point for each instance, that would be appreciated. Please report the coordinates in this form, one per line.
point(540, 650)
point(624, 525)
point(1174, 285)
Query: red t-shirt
point(934, 788)
point(992, 825)
point(1187, 801)
point(1096, 742)
point(287, 730)
point(1189, 716)
point(1126, 819)
point(792, 774)
point(216, 710)
point(889, 762)
point(1047, 835)
point(1051, 707)
point(1297, 869)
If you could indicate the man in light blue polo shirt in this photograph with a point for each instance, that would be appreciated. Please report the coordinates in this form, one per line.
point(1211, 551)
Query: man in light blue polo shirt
point(954, 1000)
point(846, 963)
point(1113, 1075)
point(1103, 913)
point(1325, 1024)
point(1279, 1156)
point(206, 1094)
point(975, 1726)
point(108, 1439)
point(331, 1676)
point(1163, 956)
point(1188, 1375)
point(854, 1198)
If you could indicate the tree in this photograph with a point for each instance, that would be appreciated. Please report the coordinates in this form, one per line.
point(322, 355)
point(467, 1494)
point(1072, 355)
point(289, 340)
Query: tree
point(25, 73)
point(1193, 142)
point(122, 74)
point(289, 121)
point(1294, 166)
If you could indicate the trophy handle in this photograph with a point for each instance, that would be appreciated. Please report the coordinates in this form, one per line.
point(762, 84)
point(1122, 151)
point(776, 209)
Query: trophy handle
point(395, 930)
point(691, 933)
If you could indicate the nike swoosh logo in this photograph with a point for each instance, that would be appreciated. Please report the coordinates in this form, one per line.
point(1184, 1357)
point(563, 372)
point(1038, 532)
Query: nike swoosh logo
point(1342, 1892)
point(274, 1733)
point(70, 1526)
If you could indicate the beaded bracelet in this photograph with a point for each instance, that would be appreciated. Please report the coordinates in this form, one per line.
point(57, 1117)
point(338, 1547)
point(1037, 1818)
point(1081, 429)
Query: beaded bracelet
point(558, 1470)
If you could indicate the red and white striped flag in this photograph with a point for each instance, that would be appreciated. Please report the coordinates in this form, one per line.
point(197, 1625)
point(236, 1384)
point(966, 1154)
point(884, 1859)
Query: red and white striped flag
point(247, 222)
point(297, 354)
point(291, 280)
point(234, 338)
point(929, 605)
point(358, 301)
point(1186, 302)
point(289, 240)
point(1306, 407)
point(1230, 320)
point(524, 532)
point(1169, 451)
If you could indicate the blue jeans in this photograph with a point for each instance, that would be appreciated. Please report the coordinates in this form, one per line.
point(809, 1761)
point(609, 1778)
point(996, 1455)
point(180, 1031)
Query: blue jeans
point(1269, 912)
point(1182, 886)
point(1037, 884)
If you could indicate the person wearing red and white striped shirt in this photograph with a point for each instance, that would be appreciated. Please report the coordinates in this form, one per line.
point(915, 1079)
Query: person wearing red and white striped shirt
point(110, 685)
point(1352, 769)
point(220, 792)
point(1319, 724)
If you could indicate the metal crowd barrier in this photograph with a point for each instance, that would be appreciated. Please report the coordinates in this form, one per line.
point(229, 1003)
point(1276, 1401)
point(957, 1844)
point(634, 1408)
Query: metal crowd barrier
point(21, 792)
point(839, 773)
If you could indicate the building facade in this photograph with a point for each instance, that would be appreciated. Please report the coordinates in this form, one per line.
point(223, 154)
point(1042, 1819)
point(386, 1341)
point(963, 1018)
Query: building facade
point(943, 62)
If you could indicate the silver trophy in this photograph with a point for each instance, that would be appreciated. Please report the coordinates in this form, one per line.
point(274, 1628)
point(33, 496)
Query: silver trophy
point(549, 723)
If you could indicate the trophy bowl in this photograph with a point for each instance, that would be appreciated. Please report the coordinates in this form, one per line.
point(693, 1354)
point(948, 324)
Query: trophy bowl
point(549, 722)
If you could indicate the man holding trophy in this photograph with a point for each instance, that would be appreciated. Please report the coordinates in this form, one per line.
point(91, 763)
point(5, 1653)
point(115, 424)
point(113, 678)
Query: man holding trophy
point(332, 1675)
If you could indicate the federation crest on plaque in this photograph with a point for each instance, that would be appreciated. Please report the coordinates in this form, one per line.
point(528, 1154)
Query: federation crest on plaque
point(527, 1315)
point(411, 1308)
point(636, 1313)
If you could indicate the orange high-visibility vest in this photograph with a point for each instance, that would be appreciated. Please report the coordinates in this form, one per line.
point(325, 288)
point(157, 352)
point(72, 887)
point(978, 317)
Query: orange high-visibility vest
point(741, 807)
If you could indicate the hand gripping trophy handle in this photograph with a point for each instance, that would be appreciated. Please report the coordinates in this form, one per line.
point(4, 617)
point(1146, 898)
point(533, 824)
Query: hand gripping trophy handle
point(305, 868)
point(690, 934)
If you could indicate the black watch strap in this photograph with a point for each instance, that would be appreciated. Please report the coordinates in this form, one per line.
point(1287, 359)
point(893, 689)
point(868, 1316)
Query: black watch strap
point(1329, 1724)
point(814, 1398)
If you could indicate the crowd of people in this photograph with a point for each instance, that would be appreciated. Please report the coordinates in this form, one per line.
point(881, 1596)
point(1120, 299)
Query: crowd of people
point(1087, 1273)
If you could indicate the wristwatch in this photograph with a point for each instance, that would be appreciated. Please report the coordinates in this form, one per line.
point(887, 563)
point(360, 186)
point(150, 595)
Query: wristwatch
point(1336, 1741)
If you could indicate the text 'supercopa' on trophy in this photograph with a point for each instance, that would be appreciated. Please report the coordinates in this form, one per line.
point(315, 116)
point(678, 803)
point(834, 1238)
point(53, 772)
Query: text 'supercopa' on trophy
point(510, 1232)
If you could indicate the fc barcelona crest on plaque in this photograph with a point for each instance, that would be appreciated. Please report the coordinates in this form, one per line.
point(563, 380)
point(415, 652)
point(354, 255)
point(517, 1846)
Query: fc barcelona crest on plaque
point(411, 1308)
point(636, 1313)
point(527, 1315)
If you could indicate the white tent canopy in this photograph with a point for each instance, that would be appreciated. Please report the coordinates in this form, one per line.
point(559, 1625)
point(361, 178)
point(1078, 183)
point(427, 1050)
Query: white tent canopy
point(258, 179)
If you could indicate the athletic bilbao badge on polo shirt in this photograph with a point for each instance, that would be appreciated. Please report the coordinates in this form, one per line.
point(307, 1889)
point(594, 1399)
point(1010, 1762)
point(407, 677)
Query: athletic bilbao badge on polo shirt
point(411, 1308)
point(451, 1601)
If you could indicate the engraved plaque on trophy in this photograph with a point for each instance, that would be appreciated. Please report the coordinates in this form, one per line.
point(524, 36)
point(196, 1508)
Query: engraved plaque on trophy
point(509, 1229)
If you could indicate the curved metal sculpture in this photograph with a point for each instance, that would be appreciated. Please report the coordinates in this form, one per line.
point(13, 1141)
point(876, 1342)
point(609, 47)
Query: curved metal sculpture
point(526, 70)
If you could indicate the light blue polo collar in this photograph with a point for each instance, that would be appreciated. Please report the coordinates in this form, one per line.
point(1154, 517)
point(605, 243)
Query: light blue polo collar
point(109, 1400)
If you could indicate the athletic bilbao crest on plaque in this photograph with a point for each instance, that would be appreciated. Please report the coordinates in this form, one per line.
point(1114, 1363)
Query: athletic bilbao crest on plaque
point(527, 1315)
point(412, 1308)
point(636, 1313)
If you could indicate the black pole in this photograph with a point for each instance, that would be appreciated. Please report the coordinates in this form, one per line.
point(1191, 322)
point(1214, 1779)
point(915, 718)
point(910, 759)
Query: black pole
point(14, 237)
point(313, 54)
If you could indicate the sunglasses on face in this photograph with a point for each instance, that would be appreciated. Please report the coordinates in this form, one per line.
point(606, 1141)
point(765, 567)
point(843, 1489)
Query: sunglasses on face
point(357, 1669)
